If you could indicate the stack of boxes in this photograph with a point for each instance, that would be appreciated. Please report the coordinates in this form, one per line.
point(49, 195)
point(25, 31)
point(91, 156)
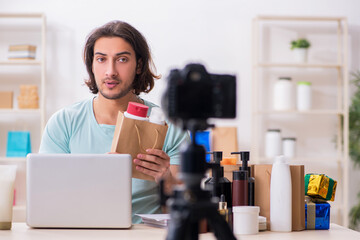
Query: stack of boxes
point(22, 52)
point(28, 97)
point(6, 99)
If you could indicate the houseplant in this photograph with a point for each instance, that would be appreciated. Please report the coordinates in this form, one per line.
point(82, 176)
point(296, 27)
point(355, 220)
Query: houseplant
point(300, 48)
point(354, 141)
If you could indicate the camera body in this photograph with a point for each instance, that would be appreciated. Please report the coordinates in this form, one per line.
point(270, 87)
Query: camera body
point(193, 93)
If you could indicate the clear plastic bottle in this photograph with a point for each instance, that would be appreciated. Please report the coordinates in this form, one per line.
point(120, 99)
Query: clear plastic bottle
point(136, 111)
point(280, 196)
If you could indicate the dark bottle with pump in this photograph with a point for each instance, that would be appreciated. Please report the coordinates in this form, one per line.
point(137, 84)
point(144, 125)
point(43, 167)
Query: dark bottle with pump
point(224, 185)
point(245, 157)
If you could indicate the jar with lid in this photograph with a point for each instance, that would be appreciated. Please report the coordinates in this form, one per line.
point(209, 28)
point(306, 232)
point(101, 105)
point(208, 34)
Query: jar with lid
point(283, 94)
point(303, 102)
point(289, 146)
point(273, 143)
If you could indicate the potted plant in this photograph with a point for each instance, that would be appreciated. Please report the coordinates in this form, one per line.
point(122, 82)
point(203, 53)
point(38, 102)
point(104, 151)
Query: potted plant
point(300, 48)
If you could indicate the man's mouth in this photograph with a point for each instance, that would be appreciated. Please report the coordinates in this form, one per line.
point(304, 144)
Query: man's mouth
point(111, 84)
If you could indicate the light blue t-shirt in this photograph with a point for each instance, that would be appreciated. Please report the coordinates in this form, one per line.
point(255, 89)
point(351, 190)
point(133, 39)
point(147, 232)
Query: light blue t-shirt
point(74, 129)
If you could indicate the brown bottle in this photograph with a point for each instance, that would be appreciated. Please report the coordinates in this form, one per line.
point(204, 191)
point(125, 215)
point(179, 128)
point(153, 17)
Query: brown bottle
point(240, 188)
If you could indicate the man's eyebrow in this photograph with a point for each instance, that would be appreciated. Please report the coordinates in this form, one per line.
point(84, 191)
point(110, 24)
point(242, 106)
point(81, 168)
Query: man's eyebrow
point(117, 54)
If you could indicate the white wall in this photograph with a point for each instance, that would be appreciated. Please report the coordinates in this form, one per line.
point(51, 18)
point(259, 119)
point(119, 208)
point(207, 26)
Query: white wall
point(216, 33)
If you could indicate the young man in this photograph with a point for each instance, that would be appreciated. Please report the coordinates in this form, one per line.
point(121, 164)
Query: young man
point(119, 65)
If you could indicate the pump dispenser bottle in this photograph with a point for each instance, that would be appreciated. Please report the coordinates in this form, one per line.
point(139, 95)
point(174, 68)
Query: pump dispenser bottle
point(224, 186)
point(245, 157)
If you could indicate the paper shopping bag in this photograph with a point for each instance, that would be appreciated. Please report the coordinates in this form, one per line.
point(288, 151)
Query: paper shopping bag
point(18, 144)
point(225, 139)
point(135, 136)
point(262, 174)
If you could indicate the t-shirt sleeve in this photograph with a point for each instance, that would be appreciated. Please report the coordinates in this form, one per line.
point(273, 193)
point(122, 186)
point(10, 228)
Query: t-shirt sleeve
point(175, 137)
point(56, 135)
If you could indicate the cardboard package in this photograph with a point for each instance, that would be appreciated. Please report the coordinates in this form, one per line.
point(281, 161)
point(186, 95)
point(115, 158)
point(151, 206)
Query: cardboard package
point(135, 136)
point(6, 99)
point(224, 139)
point(262, 174)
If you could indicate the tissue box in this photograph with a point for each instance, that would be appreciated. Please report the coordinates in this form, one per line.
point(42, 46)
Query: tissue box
point(317, 215)
point(6, 99)
point(320, 186)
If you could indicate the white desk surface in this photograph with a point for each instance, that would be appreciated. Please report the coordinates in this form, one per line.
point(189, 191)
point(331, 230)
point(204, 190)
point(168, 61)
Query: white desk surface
point(20, 231)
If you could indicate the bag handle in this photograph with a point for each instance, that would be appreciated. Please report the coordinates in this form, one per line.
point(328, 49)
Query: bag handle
point(139, 138)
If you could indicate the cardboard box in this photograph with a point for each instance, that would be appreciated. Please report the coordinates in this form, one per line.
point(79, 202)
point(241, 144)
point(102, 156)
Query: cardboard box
point(262, 174)
point(6, 99)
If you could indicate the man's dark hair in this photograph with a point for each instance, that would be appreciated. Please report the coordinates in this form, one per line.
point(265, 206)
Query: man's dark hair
point(144, 81)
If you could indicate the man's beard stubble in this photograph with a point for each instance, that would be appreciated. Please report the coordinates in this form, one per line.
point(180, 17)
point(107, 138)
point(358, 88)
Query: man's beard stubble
point(121, 94)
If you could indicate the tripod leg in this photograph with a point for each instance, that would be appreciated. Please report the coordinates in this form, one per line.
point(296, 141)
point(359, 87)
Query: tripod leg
point(221, 228)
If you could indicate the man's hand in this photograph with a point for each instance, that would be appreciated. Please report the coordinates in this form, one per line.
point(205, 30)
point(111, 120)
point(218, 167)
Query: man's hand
point(156, 163)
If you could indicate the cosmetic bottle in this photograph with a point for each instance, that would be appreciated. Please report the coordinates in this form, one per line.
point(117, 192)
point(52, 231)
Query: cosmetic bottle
point(136, 111)
point(224, 185)
point(240, 188)
point(280, 196)
point(245, 157)
point(223, 208)
point(157, 116)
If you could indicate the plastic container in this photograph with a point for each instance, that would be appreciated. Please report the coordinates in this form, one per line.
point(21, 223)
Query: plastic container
point(246, 220)
point(304, 98)
point(289, 147)
point(280, 196)
point(136, 111)
point(283, 96)
point(157, 116)
point(240, 187)
point(273, 143)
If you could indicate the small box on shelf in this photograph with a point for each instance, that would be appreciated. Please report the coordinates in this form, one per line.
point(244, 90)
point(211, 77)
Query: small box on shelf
point(6, 99)
point(28, 97)
point(22, 52)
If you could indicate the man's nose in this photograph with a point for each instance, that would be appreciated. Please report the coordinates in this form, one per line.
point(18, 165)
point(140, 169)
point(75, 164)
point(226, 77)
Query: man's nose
point(111, 70)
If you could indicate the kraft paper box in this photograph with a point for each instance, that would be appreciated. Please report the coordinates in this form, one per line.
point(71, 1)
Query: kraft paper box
point(224, 139)
point(135, 136)
point(262, 174)
point(6, 99)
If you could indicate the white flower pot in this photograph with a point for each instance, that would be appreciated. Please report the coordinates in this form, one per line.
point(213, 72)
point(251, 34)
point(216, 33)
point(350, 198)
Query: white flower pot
point(300, 55)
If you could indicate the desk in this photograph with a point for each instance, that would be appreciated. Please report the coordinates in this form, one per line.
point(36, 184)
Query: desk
point(20, 231)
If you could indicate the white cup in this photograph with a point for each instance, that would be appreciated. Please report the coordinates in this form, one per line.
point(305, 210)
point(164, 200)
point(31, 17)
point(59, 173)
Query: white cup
point(246, 219)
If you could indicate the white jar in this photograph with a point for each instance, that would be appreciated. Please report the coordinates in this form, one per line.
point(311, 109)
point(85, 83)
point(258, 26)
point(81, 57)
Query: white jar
point(280, 196)
point(283, 94)
point(272, 143)
point(246, 219)
point(289, 146)
point(303, 96)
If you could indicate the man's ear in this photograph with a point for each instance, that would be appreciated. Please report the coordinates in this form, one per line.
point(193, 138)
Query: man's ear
point(139, 66)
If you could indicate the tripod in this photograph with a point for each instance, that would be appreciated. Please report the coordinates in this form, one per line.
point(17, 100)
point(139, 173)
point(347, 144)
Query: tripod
point(189, 203)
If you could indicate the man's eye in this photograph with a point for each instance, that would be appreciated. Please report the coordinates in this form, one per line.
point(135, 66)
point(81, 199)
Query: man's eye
point(122, 59)
point(100, 59)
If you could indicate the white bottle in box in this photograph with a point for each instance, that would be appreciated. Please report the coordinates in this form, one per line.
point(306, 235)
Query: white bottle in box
point(280, 196)
point(157, 116)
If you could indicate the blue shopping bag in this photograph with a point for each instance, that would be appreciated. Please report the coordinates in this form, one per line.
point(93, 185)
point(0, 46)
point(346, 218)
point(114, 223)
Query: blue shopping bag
point(18, 144)
point(203, 138)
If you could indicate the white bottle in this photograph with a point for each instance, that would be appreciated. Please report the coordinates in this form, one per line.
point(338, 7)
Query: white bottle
point(303, 102)
point(272, 143)
point(136, 111)
point(157, 116)
point(280, 196)
point(289, 146)
point(283, 95)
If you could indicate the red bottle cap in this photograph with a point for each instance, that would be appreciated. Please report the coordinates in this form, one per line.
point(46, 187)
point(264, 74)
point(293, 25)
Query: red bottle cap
point(137, 109)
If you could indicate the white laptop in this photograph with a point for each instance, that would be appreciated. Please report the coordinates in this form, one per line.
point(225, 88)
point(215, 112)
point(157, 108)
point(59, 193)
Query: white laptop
point(78, 190)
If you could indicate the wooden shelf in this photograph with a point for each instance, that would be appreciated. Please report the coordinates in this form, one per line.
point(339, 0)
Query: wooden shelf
point(300, 18)
point(310, 112)
point(18, 111)
point(21, 15)
point(21, 62)
point(300, 65)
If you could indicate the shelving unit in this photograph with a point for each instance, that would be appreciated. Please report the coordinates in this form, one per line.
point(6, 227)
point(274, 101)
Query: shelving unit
point(22, 28)
point(331, 116)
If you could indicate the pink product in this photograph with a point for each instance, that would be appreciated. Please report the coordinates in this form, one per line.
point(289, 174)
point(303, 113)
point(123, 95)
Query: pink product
point(137, 109)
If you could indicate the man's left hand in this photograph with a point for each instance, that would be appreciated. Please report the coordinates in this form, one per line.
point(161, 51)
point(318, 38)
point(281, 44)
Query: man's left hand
point(156, 163)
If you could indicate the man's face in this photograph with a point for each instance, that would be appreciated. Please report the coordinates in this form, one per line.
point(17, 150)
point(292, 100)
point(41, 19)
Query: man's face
point(114, 67)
